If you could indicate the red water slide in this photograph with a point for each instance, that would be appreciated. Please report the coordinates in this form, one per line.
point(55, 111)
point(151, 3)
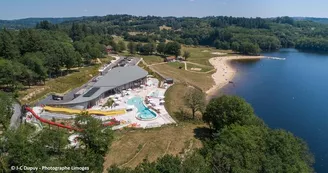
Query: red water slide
point(111, 123)
point(50, 122)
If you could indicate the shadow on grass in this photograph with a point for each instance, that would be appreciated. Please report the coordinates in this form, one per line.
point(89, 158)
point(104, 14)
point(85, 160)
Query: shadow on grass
point(202, 133)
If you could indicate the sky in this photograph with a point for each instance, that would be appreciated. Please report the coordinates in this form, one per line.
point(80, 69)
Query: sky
point(16, 9)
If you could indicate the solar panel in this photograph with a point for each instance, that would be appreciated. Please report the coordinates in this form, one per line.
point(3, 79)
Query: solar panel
point(91, 92)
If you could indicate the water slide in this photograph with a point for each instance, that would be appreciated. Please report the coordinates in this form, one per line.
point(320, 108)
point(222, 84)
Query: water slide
point(111, 123)
point(50, 122)
point(92, 112)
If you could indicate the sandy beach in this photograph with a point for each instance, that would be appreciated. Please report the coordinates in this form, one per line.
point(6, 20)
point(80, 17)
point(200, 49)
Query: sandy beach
point(224, 71)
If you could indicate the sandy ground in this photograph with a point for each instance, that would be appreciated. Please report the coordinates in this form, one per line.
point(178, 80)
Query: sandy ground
point(224, 71)
point(219, 53)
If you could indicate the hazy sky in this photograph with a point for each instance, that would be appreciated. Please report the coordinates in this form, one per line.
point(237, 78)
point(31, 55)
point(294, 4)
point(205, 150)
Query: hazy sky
point(14, 9)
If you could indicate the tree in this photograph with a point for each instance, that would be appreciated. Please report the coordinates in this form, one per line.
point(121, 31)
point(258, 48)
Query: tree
point(228, 110)
point(173, 48)
point(259, 149)
point(139, 47)
point(6, 110)
point(122, 46)
point(11, 73)
point(44, 25)
point(186, 55)
point(239, 149)
point(249, 48)
point(235, 46)
point(94, 135)
point(109, 102)
point(195, 163)
point(146, 49)
point(76, 32)
point(169, 164)
point(194, 99)
point(8, 49)
point(132, 47)
point(161, 47)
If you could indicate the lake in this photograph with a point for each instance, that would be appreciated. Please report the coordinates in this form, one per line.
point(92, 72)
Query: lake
point(291, 94)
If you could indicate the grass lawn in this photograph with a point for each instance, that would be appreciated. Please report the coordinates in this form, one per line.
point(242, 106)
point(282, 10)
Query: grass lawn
point(174, 99)
point(132, 147)
point(204, 68)
point(201, 55)
point(201, 80)
point(176, 65)
point(58, 85)
point(152, 59)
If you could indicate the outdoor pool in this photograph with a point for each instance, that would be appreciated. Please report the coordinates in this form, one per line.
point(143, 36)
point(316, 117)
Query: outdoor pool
point(144, 113)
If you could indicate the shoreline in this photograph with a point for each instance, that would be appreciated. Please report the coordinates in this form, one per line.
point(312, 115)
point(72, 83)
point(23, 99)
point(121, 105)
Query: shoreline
point(224, 71)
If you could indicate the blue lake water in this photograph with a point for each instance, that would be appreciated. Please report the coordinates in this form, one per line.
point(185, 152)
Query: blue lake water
point(290, 94)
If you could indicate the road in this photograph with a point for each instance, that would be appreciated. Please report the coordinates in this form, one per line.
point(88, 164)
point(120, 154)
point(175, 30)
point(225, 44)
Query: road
point(15, 119)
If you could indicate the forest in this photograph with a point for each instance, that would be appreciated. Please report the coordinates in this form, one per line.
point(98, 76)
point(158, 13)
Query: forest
point(28, 56)
point(244, 35)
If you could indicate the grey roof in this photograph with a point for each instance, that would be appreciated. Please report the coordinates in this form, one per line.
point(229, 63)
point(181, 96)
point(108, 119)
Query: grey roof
point(114, 78)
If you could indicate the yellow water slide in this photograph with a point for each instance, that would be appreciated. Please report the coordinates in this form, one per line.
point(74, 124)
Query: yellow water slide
point(92, 112)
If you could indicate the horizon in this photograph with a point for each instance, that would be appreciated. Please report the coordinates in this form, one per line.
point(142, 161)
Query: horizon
point(47, 17)
point(169, 8)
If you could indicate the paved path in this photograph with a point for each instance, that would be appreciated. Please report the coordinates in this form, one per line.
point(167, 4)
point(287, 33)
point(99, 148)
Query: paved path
point(15, 119)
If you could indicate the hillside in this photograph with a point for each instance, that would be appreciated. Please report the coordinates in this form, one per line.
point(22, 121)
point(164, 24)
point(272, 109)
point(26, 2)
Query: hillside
point(31, 22)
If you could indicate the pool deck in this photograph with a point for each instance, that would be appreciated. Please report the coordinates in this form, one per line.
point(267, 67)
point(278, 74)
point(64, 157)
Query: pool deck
point(130, 119)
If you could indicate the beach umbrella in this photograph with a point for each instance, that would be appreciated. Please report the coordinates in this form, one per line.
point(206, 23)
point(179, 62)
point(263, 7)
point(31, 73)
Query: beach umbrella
point(162, 101)
point(129, 89)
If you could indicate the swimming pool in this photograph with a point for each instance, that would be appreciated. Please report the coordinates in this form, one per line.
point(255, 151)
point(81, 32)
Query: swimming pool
point(144, 113)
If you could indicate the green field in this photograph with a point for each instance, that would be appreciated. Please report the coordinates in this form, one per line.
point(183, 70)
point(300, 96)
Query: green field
point(201, 55)
point(204, 68)
point(152, 59)
point(58, 85)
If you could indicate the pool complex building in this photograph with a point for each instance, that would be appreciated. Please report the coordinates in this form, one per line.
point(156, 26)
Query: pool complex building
point(114, 82)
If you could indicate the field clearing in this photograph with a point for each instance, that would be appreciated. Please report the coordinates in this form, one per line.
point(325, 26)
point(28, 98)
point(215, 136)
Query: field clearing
point(174, 99)
point(152, 59)
point(165, 27)
point(204, 68)
point(202, 80)
point(201, 55)
point(132, 147)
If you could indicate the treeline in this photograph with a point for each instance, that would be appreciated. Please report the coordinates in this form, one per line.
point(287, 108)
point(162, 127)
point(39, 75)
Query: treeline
point(221, 32)
point(29, 56)
point(239, 142)
point(170, 48)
